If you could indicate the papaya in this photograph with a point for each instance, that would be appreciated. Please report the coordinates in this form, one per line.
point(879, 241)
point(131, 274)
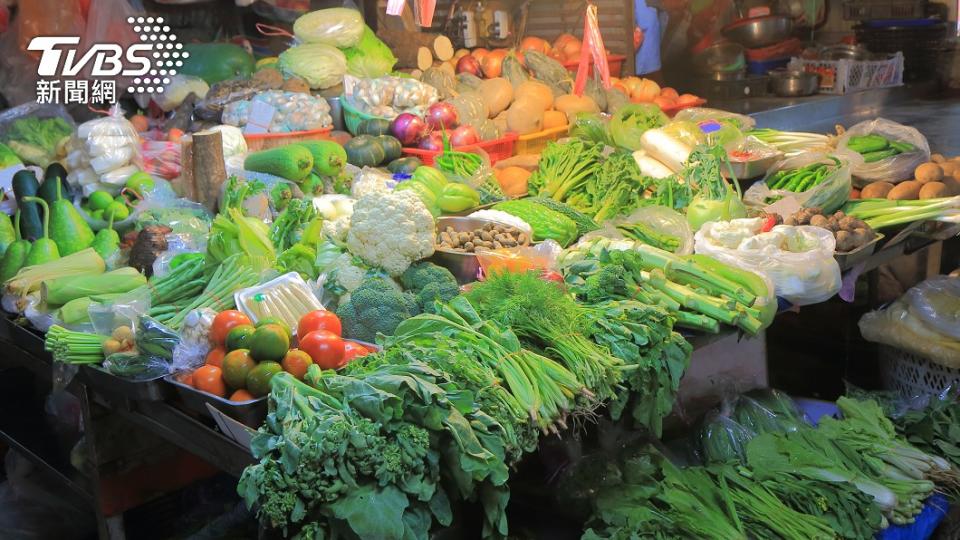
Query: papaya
point(16, 254)
point(44, 249)
point(293, 162)
point(67, 227)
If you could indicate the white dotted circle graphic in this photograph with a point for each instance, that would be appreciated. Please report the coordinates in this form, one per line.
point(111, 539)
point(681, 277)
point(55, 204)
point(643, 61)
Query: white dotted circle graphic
point(159, 42)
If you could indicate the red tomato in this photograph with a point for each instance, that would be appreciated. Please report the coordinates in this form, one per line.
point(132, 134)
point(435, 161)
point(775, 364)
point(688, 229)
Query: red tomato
point(551, 275)
point(223, 322)
point(325, 348)
point(320, 319)
point(353, 350)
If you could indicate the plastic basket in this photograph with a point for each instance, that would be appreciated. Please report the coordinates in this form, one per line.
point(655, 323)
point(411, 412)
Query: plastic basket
point(614, 62)
point(264, 141)
point(534, 143)
point(496, 149)
point(353, 117)
point(843, 76)
point(914, 375)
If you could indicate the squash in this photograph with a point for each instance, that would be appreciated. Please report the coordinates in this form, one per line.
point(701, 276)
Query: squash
point(404, 165)
point(525, 116)
point(488, 130)
point(513, 180)
point(538, 91)
point(364, 151)
point(441, 79)
point(500, 121)
point(374, 127)
point(572, 104)
point(392, 148)
point(554, 119)
point(512, 70)
point(497, 94)
point(471, 108)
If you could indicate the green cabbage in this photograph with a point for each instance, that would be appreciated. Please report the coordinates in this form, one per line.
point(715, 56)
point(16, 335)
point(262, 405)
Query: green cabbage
point(338, 27)
point(322, 66)
point(631, 121)
point(371, 58)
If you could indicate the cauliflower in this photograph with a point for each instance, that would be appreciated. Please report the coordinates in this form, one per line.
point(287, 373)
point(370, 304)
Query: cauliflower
point(347, 275)
point(336, 229)
point(391, 230)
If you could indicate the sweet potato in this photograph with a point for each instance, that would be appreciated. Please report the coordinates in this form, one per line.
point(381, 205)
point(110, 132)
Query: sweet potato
point(903, 191)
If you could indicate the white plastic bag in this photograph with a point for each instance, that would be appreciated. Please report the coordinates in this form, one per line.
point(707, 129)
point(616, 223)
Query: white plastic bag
point(893, 169)
point(659, 218)
point(798, 260)
point(936, 302)
point(829, 195)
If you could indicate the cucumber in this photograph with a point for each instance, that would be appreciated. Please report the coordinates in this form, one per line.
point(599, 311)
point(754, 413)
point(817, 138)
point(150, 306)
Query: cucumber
point(25, 185)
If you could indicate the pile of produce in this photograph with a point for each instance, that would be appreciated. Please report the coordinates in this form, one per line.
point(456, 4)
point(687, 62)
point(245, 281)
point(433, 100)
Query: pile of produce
point(850, 232)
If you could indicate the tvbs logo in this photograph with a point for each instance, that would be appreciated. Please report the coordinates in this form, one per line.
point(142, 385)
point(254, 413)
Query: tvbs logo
point(147, 66)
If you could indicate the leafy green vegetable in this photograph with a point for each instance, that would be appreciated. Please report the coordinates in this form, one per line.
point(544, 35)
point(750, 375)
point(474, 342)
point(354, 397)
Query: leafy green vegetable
point(35, 139)
point(564, 167)
point(370, 58)
point(630, 121)
point(234, 233)
point(298, 258)
point(590, 127)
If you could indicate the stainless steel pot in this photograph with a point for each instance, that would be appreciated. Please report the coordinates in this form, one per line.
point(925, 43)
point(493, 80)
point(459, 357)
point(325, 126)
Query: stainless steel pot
point(721, 57)
point(758, 32)
point(785, 83)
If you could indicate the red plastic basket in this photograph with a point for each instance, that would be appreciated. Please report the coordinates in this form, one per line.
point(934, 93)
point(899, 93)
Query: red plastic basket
point(264, 141)
point(615, 61)
point(497, 149)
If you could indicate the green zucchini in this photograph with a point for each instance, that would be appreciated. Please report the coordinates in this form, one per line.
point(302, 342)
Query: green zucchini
point(25, 185)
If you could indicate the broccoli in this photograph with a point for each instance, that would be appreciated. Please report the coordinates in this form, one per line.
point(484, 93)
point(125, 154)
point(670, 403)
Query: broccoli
point(376, 306)
point(430, 283)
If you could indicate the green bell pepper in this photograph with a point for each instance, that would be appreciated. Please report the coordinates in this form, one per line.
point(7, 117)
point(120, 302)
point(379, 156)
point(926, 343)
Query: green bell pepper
point(423, 192)
point(456, 197)
point(430, 177)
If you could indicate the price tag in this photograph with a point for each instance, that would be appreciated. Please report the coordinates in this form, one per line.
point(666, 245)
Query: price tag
point(261, 115)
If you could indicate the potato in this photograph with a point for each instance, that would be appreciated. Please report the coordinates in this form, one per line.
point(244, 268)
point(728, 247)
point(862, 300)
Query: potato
point(903, 191)
point(952, 185)
point(934, 190)
point(937, 158)
point(928, 172)
point(876, 190)
point(949, 168)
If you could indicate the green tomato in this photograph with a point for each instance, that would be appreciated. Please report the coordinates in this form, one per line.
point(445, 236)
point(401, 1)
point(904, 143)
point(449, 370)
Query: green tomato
point(140, 182)
point(117, 210)
point(99, 200)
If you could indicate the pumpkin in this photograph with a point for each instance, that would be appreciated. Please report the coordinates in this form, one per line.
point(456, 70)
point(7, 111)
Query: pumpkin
point(374, 127)
point(497, 94)
point(404, 165)
point(537, 91)
point(513, 180)
point(392, 148)
point(554, 119)
point(364, 151)
point(492, 63)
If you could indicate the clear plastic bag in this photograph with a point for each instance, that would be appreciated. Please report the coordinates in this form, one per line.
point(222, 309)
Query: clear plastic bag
point(194, 345)
point(897, 326)
point(893, 169)
point(936, 302)
point(662, 220)
point(700, 114)
point(103, 153)
point(294, 111)
point(804, 273)
point(829, 195)
point(387, 97)
point(161, 158)
point(539, 257)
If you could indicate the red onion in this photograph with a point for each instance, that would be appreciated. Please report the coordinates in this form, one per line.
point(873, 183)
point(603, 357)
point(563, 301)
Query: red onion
point(442, 115)
point(408, 128)
point(469, 64)
point(464, 136)
point(432, 142)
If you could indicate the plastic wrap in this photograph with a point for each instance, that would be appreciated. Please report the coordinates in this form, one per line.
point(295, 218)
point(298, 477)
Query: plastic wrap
point(191, 352)
point(663, 220)
point(798, 260)
point(161, 159)
point(387, 97)
point(701, 114)
point(893, 169)
point(936, 302)
point(540, 257)
point(294, 111)
point(829, 195)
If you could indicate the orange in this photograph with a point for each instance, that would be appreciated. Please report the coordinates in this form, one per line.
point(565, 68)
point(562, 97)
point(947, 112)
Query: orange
point(241, 395)
point(296, 363)
point(215, 356)
point(236, 365)
point(269, 342)
point(258, 380)
point(210, 379)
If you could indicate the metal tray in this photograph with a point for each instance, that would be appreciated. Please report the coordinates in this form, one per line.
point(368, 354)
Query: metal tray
point(101, 380)
point(747, 170)
point(249, 413)
point(852, 258)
